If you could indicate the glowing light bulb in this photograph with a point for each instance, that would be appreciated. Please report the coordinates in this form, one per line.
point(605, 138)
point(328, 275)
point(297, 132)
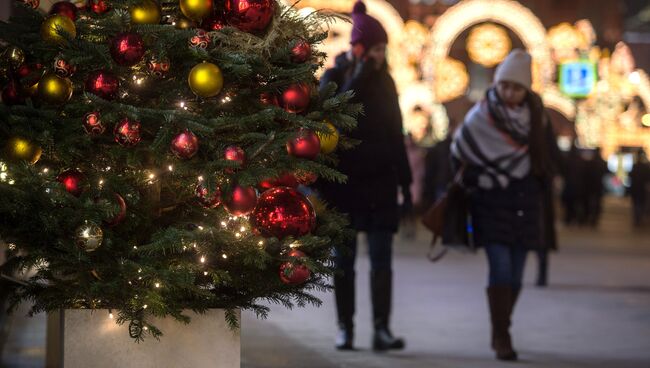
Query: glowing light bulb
point(224, 256)
point(157, 285)
point(202, 259)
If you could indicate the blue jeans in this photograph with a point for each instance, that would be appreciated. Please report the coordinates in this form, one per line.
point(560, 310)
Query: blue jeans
point(506, 265)
point(380, 249)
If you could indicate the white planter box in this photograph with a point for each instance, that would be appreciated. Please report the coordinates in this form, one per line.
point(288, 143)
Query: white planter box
point(81, 338)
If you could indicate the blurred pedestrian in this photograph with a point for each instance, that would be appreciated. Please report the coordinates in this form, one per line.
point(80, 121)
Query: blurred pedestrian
point(573, 191)
point(505, 147)
point(376, 169)
point(639, 181)
point(594, 187)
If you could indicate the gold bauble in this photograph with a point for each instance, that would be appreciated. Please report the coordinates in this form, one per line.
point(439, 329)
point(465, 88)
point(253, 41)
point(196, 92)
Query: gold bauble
point(328, 141)
point(147, 12)
point(89, 237)
point(15, 56)
point(196, 9)
point(53, 27)
point(54, 90)
point(205, 80)
point(184, 23)
point(20, 149)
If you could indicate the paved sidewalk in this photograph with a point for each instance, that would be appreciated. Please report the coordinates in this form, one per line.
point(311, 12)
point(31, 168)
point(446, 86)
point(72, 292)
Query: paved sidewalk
point(596, 313)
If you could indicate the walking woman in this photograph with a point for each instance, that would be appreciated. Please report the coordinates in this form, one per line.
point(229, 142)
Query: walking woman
point(375, 168)
point(505, 147)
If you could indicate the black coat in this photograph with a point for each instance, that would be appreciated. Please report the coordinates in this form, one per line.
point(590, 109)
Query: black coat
point(378, 165)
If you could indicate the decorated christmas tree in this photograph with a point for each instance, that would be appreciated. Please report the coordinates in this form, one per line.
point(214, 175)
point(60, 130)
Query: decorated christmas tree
point(154, 157)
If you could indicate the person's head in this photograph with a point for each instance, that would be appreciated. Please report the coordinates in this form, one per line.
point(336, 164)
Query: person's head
point(513, 77)
point(369, 38)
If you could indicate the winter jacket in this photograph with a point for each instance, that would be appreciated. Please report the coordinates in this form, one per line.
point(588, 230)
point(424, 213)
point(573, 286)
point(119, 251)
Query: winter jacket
point(378, 165)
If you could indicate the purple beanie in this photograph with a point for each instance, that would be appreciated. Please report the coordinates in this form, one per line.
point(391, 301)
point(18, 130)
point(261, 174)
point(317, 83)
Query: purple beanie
point(366, 30)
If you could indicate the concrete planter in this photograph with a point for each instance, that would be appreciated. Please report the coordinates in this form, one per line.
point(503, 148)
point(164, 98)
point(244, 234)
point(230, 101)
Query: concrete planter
point(85, 338)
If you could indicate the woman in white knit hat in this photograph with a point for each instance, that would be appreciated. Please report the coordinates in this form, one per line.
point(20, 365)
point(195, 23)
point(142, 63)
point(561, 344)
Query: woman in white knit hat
point(505, 147)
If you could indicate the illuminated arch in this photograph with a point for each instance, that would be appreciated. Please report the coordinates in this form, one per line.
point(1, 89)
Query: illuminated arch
point(509, 13)
point(555, 100)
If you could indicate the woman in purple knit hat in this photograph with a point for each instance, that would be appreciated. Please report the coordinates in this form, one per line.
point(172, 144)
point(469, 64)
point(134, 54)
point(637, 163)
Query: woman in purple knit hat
point(376, 169)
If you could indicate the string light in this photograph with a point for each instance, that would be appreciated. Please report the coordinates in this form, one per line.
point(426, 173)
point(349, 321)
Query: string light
point(200, 228)
point(260, 243)
point(11, 246)
point(145, 328)
point(101, 182)
point(205, 273)
point(237, 235)
point(170, 168)
point(110, 315)
point(45, 170)
point(224, 256)
point(200, 178)
point(157, 285)
point(202, 259)
point(144, 306)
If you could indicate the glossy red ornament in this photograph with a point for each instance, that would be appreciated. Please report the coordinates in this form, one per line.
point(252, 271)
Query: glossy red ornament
point(93, 124)
point(236, 155)
point(214, 22)
point(300, 52)
point(64, 8)
point(250, 15)
point(185, 145)
point(127, 48)
point(103, 84)
point(11, 95)
point(285, 180)
point(305, 144)
point(282, 212)
point(241, 201)
point(158, 67)
point(121, 215)
point(127, 132)
point(97, 6)
point(207, 199)
point(268, 98)
point(294, 274)
point(72, 180)
point(295, 99)
point(62, 68)
point(200, 40)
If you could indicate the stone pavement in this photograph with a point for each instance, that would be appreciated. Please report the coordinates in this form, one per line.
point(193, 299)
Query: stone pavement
point(595, 313)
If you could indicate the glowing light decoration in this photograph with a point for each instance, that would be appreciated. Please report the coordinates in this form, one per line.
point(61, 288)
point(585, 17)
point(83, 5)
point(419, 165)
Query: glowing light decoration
point(488, 44)
point(511, 14)
point(565, 41)
point(451, 79)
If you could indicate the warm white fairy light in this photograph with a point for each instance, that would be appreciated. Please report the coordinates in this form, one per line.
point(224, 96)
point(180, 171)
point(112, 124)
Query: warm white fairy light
point(110, 315)
point(101, 182)
point(135, 247)
point(202, 259)
point(224, 256)
point(11, 246)
point(145, 328)
point(45, 170)
point(157, 285)
point(144, 306)
point(200, 178)
point(194, 245)
point(260, 243)
point(242, 229)
point(224, 224)
point(200, 228)
point(170, 168)
point(295, 244)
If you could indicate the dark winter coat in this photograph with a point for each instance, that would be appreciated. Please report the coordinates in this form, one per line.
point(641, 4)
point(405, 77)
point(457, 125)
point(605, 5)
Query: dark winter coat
point(521, 214)
point(379, 164)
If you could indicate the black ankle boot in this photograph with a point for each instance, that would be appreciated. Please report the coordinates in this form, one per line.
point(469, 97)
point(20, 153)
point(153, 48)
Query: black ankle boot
point(345, 339)
point(383, 340)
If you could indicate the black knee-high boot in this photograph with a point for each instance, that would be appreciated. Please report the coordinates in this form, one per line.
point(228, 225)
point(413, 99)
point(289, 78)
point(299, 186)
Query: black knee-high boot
point(344, 292)
point(381, 287)
point(501, 300)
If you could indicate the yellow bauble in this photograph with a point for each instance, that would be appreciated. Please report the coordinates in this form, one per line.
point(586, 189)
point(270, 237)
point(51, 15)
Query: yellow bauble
point(54, 90)
point(205, 80)
point(329, 141)
point(196, 9)
point(147, 12)
point(53, 27)
point(20, 149)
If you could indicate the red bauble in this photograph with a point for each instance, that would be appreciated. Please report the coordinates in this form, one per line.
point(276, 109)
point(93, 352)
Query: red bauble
point(200, 40)
point(294, 274)
point(301, 52)
point(286, 180)
point(305, 144)
point(64, 8)
point(282, 212)
point(97, 6)
point(250, 15)
point(127, 132)
point(236, 155)
point(241, 201)
point(11, 96)
point(120, 216)
point(158, 67)
point(185, 145)
point(215, 22)
point(73, 181)
point(295, 99)
point(127, 48)
point(62, 68)
point(207, 199)
point(93, 124)
point(103, 84)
